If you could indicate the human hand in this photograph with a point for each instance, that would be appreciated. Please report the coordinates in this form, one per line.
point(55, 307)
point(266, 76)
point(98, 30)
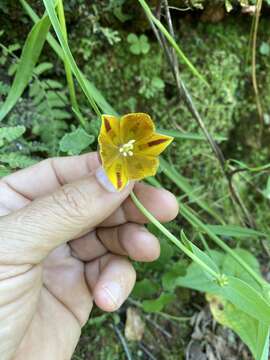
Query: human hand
point(64, 243)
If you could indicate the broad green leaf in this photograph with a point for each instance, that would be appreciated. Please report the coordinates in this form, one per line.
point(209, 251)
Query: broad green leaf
point(75, 142)
point(193, 219)
point(132, 38)
point(238, 292)
point(29, 57)
point(178, 135)
point(145, 289)
point(251, 331)
point(10, 133)
point(247, 299)
point(177, 269)
point(235, 231)
point(264, 48)
point(231, 267)
point(158, 304)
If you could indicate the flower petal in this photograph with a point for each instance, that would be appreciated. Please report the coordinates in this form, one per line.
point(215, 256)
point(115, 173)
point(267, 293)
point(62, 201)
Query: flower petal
point(140, 166)
point(116, 172)
point(154, 145)
point(108, 151)
point(110, 127)
point(136, 126)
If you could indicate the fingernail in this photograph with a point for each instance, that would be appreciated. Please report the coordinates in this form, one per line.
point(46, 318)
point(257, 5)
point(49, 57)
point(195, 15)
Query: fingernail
point(114, 294)
point(103, 179)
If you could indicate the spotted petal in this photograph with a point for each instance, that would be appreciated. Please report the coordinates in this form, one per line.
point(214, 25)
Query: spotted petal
point(136, 126)
point(110, 129)
point(140, 166)
point(108, 151)
point(117, 173)
point(154, 145)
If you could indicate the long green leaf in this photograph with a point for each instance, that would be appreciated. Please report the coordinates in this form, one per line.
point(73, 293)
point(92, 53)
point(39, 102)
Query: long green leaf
point(235, 231)
point(184, 185)
point(189, 136)
point(96, 94)
point(29, 57)
point(68, 55)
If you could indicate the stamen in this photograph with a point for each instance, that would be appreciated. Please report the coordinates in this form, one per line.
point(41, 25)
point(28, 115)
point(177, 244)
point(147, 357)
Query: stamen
point(126, 149)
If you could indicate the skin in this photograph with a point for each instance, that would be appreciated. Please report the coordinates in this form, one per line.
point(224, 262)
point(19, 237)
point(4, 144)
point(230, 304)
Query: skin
point(65, 243)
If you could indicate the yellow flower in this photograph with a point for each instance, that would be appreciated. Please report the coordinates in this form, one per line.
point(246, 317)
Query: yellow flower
point(129, 147)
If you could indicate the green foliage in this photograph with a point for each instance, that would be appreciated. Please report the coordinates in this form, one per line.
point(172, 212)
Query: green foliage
point(145, 289)
point(49, 102)
point(30, 54)
point(158, 304)
point(264, 48)
point(75, 142)
point(229, 294)
point(42, 124)
point(139, 44)
point(8, 134)
point(16, 160)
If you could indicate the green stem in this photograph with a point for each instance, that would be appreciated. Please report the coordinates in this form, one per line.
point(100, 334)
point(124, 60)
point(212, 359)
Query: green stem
point(195, 221)
point(61, 16)
point(69, 77)
point(172, 238)
point(171, 40)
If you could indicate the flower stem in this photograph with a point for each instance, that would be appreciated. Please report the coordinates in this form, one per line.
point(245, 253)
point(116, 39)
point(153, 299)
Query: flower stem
point(172, 238)
point(191, 218)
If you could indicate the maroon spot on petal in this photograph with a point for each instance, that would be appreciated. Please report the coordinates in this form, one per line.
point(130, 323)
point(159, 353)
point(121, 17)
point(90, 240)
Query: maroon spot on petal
point(107, 125)
point(119, 180)
point(156, 142)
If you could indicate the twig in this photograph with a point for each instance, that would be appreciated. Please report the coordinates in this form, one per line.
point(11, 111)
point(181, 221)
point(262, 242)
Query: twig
point(184, 94)
point(254, 78)
point(158, 327)
point(123, 341)
point(146, 351)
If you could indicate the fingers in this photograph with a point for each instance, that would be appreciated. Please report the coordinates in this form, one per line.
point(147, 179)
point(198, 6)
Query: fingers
point(129, 239)
point(63, 277)
point(28, 235)
point(48, 175)
point(160, 202)
point(110, 279)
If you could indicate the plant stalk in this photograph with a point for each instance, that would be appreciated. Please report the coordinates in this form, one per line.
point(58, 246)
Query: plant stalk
point(172, 238)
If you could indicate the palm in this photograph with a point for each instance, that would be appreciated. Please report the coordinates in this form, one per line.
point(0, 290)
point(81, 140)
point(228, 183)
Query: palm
point(63, 305)
point(48, 288)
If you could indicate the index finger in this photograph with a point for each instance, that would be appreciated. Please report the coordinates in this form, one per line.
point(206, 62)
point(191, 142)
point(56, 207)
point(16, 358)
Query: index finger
point(48, 175)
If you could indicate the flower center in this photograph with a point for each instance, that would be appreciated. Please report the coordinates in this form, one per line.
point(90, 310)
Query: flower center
point(126, 149)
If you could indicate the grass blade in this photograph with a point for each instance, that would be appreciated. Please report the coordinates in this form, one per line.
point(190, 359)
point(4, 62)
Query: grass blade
point(29, 57)
point(235, 231)
point(189, 136)
point(171, 40)
point(98, 97)
point(68, 55)
point(184, 185)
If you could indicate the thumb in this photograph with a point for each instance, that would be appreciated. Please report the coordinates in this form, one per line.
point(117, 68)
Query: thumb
point(28, 235)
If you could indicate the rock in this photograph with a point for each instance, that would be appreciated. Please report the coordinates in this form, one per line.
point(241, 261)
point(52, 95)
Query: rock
point(134, 327)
